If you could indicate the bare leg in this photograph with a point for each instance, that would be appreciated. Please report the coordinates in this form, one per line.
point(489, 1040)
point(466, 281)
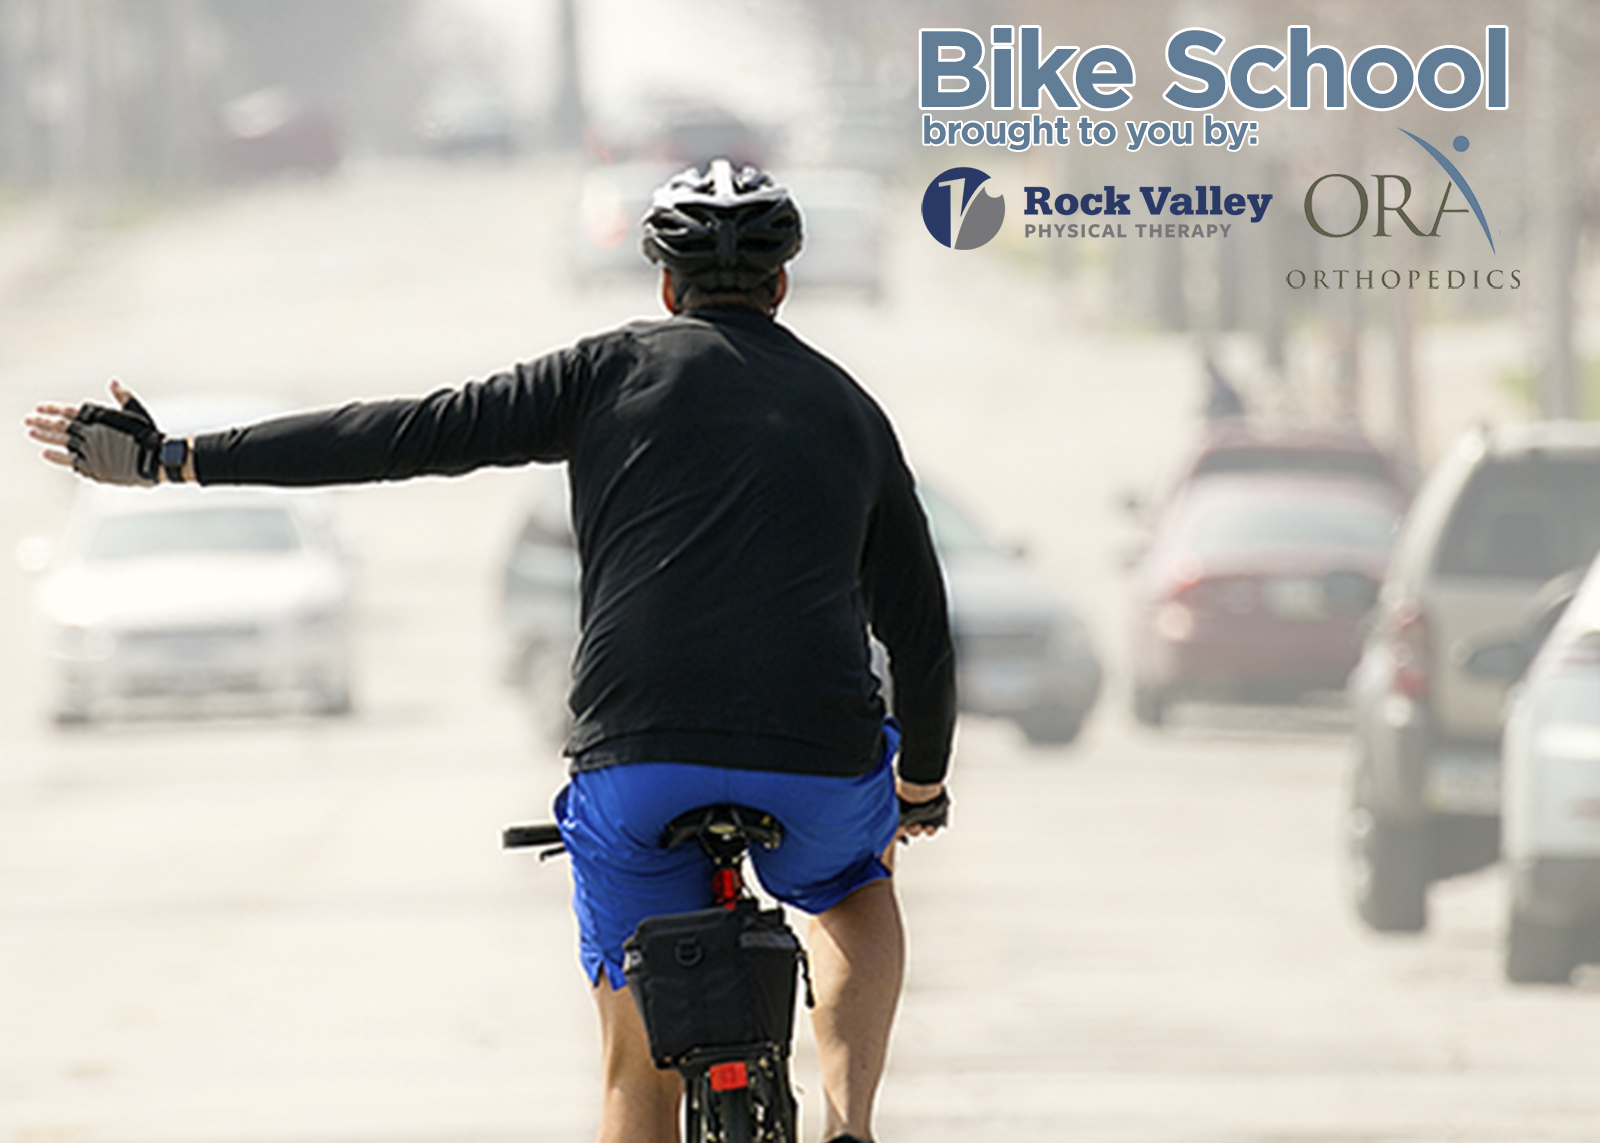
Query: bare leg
point(858, 960)
point(640, 1102)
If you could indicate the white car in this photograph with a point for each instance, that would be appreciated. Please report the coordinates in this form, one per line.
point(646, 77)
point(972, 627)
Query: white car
point(188, 600)
point(843, 213)
point(1551, 799)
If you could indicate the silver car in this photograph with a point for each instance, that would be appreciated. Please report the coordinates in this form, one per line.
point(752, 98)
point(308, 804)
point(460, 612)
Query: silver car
point(178, 600)
point(1505, 511)
point(1551, 798)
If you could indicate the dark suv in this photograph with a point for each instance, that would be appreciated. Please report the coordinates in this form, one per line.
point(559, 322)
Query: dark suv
point(1503, 513)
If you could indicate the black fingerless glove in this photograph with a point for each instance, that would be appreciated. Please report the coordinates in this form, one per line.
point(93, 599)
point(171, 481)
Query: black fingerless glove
point(116, 446)
point(934, 812)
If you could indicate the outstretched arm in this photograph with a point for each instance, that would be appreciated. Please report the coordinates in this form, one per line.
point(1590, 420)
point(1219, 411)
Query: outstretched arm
point(526, 414)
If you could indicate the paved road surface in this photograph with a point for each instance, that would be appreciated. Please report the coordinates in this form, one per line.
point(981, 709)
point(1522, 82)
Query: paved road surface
point(302, 932)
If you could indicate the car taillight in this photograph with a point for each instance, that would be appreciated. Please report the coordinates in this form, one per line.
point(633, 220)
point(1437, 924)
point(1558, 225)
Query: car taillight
point(1410, 652)
point(1235, 595)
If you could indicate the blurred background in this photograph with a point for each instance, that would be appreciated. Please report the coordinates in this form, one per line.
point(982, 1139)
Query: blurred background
point(1246, 579)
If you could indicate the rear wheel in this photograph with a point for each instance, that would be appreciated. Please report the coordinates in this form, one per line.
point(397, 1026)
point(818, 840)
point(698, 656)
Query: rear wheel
point(1051, 725)
point(732, 1117)
point(333, 701)
point(762, 1110)
point(1388, 865)
point(1539, 953)
point(71, 717)
point(773, 1097)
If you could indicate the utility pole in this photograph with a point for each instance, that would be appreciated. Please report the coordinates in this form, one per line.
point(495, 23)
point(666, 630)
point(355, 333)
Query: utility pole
point(1554, 197)
point(177, 135)
point(566, 115)
point(64, 95)
point(1407, 414)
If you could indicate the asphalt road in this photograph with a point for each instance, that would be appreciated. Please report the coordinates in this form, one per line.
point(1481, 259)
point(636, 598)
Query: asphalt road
point(301, 931)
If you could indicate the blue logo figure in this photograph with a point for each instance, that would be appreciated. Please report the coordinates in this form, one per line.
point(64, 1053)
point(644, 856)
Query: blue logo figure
point(1461, 143)
point(957, 213)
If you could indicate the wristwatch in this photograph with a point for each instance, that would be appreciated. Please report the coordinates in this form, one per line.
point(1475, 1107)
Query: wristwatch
point(174, 454)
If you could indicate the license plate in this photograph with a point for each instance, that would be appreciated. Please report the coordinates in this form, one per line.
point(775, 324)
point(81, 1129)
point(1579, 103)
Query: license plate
point(1463, 786)
point(1001, 685)
point(1295, 598)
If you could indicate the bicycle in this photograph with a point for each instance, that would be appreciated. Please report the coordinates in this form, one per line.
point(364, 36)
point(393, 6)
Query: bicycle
point(734, 1062)
point(717, 987)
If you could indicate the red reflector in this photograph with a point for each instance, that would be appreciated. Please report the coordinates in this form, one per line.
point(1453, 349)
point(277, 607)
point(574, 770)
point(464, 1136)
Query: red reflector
point(729, 1077)
point(725, 887)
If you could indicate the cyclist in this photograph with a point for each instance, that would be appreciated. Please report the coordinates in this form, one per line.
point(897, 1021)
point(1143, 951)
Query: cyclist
point(743, 517)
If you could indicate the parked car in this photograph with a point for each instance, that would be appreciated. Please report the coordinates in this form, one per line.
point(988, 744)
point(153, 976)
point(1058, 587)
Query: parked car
point(1255, 587)
point(1504, 512)
point(692, 134)
point(1238, 446)
point(182, 600)
point(1022, 652)
point(1551, 794)
point(273, 131)
point(466, 115)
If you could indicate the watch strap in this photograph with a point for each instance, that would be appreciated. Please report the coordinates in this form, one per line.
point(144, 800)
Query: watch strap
point(174, 455)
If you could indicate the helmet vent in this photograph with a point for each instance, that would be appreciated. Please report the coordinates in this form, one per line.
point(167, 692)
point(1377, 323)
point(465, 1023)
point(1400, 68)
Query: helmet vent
point(722, 229)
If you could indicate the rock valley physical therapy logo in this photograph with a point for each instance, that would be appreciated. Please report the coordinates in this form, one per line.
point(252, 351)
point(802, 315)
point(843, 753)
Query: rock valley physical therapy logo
point(958, 212)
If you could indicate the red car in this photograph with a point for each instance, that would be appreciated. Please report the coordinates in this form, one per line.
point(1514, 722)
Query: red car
point(1236, 447)
point(1256, 585)
point(272, 131)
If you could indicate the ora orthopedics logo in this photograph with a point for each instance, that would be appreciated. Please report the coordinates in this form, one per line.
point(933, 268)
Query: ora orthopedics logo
point(957, 213)
point(1386, 205)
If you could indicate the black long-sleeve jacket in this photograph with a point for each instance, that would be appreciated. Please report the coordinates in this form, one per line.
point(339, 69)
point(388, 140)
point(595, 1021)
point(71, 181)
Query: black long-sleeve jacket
point(743, 516)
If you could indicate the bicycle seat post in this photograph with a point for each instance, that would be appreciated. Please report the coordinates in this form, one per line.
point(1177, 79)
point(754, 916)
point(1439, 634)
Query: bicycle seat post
point(725, 844)
point(724, 833)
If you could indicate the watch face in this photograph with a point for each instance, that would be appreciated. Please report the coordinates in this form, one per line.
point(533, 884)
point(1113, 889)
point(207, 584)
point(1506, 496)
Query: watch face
point(174, 452)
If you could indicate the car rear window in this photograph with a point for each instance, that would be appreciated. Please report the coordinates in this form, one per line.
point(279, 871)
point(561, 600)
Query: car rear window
point(1231, 526)
point(208, 530)
point(1529, 518)
point(544, 531)
point(1363, 466)
point(951, 531)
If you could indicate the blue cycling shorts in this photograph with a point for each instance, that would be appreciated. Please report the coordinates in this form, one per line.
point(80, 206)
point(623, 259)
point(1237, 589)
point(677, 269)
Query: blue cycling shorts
point(834, 831)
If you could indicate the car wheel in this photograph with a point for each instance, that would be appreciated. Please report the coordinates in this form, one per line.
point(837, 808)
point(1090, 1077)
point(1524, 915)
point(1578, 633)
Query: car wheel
point(1149, 706)
point(333, 702)
point(1050, 726)
point(1538, 953)
point(71, 717)
point(1388, 866)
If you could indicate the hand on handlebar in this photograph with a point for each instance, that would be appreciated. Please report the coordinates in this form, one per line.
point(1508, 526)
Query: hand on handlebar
point(924, 809)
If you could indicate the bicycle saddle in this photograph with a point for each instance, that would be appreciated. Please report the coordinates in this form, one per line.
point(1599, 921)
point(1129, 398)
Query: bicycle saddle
point(722, 826)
